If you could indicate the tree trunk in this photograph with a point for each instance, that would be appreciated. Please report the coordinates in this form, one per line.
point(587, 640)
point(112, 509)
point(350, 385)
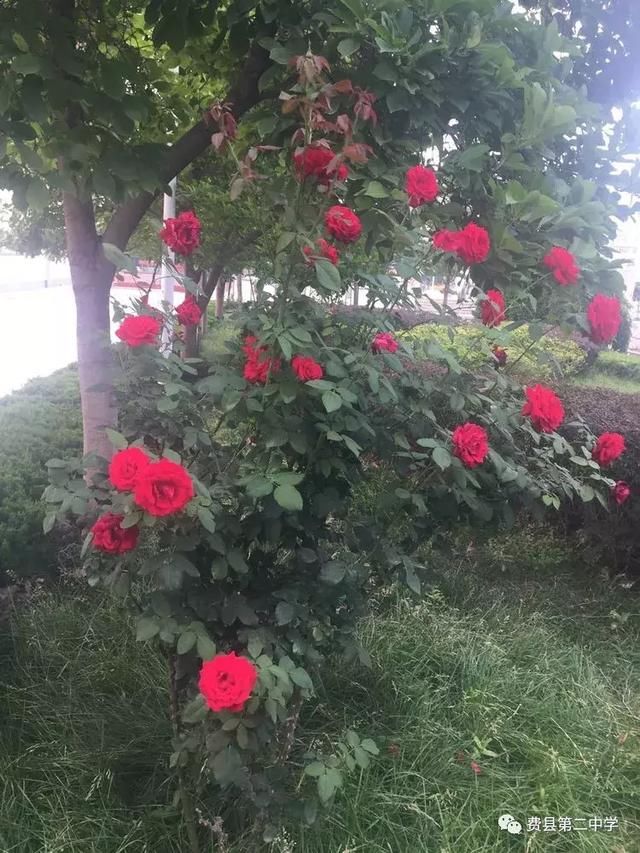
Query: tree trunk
point(91, 276)
point(220, 299)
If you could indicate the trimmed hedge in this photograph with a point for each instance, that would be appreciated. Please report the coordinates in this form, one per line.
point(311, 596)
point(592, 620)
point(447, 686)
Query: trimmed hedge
point(37, 423)
point(611, 538)
point(620, 364)
point(551, 357)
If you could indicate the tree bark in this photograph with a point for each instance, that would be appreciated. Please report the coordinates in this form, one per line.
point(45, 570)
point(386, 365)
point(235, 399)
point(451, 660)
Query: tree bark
point(220, 299)
point(91, 277)
point(92, 274)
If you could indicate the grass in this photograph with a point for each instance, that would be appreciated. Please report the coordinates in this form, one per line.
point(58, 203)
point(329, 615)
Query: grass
point(598, 379)
point(515, 660)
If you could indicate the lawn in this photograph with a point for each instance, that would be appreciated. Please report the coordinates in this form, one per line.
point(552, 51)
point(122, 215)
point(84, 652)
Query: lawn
point(514, 686)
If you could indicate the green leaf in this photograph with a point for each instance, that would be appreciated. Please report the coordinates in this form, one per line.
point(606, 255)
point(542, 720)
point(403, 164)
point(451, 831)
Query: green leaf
point(441, 457)
point(332, 401)
point(119, 259)
point(301, 677)
point(27, 63)
point(284, 613)
point(347, 47)
point(206, 647)
point(206, 519)
point(363, 759)
point(237, 561)
point(375, 190)
point(369, 745)
point(328, 275)
point(288, 497)
point(315, 769)
point(329, 784)
point(259, 487)
point(146, 628)
point(37, 195)
point(284, 240)
point(333, 572)
point(196, 710)
point(186, 642)
point(48, 522)
point(116, 438)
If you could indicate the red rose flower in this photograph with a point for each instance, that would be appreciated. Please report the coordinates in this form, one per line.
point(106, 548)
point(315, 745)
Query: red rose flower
point(249, 345)
point(604, 318)
point(306, 368)
point(421, 185)
point(313, 162)
point(110, 537)
point(609, 446)
point(125, 466)
point(563, 265)
point(474, 244)
point(163, 487)
point(446, 241)
point(189, 312)
point(182, 234)
point(470, 444)
point(136, 331)
point(343, 224)
point(621, 492)
point(323, 249)
point(544, 408)
point(226, 682)
point(492, 309)
point(258, 365)
point(384, 342)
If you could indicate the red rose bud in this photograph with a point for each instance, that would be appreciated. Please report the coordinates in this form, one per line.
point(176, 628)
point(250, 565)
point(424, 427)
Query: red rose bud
point(563, 265)
point(470, 444)
point(500, 355)
point(384, 342)
point(163, 488)
point(544, 408)
point(226, 682)
point(140, 330)
point(343, 224)
point(110, 537)
point(182, 234)
point(306, 368)
point(621, 492)
point(492, 309)
point(421, 185)
point(608, 447)
point(604, 318)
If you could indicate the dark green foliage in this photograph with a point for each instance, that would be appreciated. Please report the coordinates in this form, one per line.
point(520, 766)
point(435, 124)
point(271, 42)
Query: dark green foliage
point(37, 423)
point(623, 338)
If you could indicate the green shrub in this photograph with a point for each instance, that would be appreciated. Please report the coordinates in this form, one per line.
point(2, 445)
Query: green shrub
point(551, 357)
point(37, 423)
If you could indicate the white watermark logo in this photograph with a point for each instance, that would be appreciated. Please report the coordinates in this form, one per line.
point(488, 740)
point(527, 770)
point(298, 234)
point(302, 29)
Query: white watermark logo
point(510, 824)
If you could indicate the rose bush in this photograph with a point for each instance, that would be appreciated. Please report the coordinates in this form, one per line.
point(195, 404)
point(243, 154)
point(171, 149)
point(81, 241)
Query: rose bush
point(247, 569)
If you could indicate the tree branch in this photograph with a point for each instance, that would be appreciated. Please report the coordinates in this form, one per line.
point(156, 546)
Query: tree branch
point(243, 95)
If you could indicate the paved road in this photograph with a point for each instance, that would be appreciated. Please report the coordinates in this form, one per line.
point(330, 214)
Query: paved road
point(39, 332)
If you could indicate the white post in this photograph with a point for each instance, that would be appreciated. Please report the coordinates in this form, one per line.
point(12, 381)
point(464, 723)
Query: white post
point(168, 212)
